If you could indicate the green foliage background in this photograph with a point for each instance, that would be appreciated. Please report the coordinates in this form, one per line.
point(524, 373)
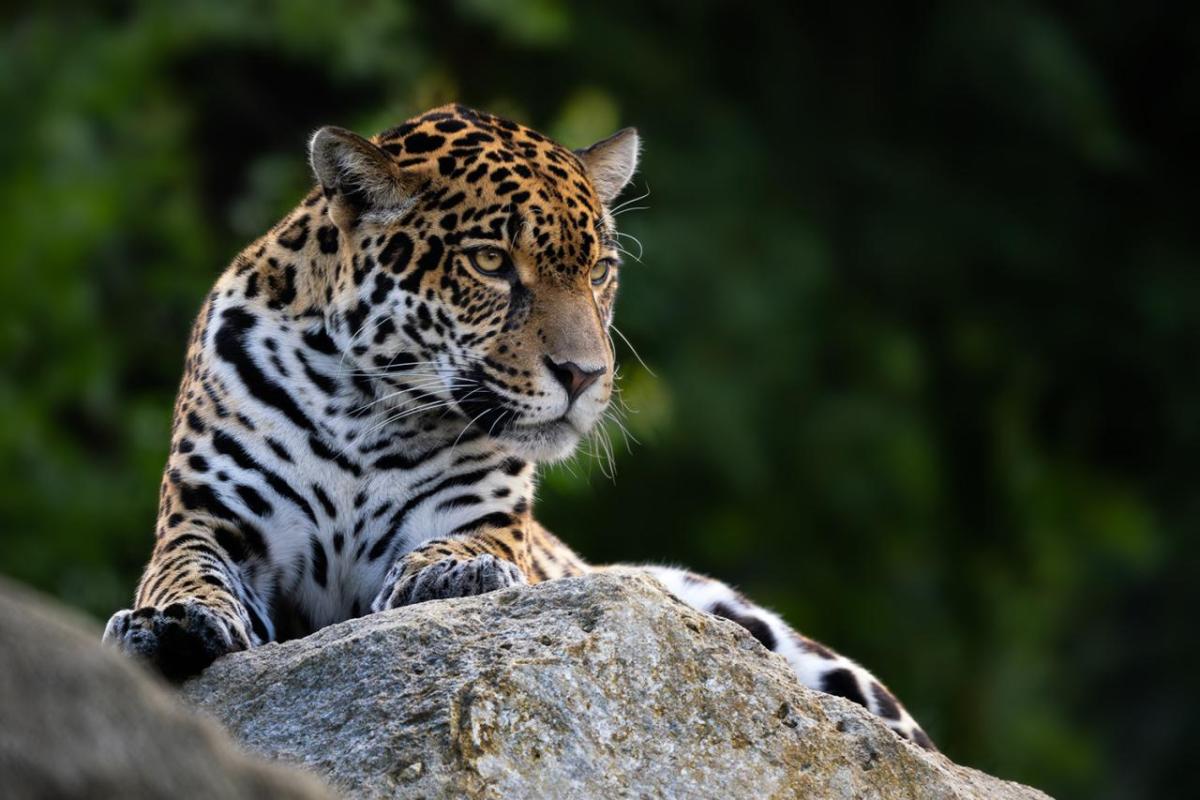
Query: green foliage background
point(919, 295)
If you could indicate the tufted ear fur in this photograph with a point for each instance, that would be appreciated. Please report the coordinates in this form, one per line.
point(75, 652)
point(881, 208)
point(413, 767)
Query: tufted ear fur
point(357, 176)
point(611, 162)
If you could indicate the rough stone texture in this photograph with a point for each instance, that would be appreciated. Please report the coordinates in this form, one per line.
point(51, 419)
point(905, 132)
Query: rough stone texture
point(80, 721)
point(596, 687)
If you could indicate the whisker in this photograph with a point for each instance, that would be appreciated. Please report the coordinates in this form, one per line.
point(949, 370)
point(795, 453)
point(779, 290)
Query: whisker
point(402, 375)
point(357, 337)
point(492, 427)
point(567, 466)
point(606, 448)
point(631, 200)
point(398, 417)
point(636, 354)
point(462, 400)
point(405, 368)
point(637, 241)
point(419, 388)
point(624, 431)
point(625, 252)
point(467, 427)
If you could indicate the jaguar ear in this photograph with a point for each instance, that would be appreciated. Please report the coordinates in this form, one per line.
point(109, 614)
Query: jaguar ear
point(357, 176)
point(611, 162)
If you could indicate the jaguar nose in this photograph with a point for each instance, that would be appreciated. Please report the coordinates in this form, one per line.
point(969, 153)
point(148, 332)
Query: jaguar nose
point(574, 378)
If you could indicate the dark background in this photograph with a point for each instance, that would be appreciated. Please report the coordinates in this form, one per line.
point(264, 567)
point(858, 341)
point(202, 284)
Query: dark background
point(919, 295)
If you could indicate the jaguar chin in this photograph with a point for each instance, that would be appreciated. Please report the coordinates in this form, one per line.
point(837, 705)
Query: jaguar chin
point(543, 442)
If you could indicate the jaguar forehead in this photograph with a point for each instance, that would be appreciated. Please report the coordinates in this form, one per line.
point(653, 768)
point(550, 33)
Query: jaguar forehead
point(540, 186)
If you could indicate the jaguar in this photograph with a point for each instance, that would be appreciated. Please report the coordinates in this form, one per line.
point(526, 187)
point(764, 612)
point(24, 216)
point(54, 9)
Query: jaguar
point(370, 386)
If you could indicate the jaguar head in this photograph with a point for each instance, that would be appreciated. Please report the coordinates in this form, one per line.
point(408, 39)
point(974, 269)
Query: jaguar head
point(478, 267)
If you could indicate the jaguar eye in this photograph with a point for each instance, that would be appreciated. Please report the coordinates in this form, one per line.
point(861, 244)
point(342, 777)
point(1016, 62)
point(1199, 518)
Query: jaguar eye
point(600, 271)
point(488, 260)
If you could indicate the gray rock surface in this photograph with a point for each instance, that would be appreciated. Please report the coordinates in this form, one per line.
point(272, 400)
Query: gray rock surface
point(596, 687)
point(80, 721)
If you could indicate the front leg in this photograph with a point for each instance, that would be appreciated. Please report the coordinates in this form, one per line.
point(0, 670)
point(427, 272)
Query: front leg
point(192, 606)
point(487, 558)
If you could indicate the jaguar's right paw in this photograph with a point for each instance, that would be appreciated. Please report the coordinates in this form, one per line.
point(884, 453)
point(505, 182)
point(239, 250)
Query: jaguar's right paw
point(179, 640)
point(414, 581)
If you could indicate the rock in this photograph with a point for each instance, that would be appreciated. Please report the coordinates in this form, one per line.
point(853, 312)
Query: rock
point(79, 721)
point(597, 687)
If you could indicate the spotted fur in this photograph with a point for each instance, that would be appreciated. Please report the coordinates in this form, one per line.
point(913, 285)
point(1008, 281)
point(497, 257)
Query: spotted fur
point(369, 386)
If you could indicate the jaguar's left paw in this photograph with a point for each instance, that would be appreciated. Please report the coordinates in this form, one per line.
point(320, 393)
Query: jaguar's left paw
point(451, 577)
